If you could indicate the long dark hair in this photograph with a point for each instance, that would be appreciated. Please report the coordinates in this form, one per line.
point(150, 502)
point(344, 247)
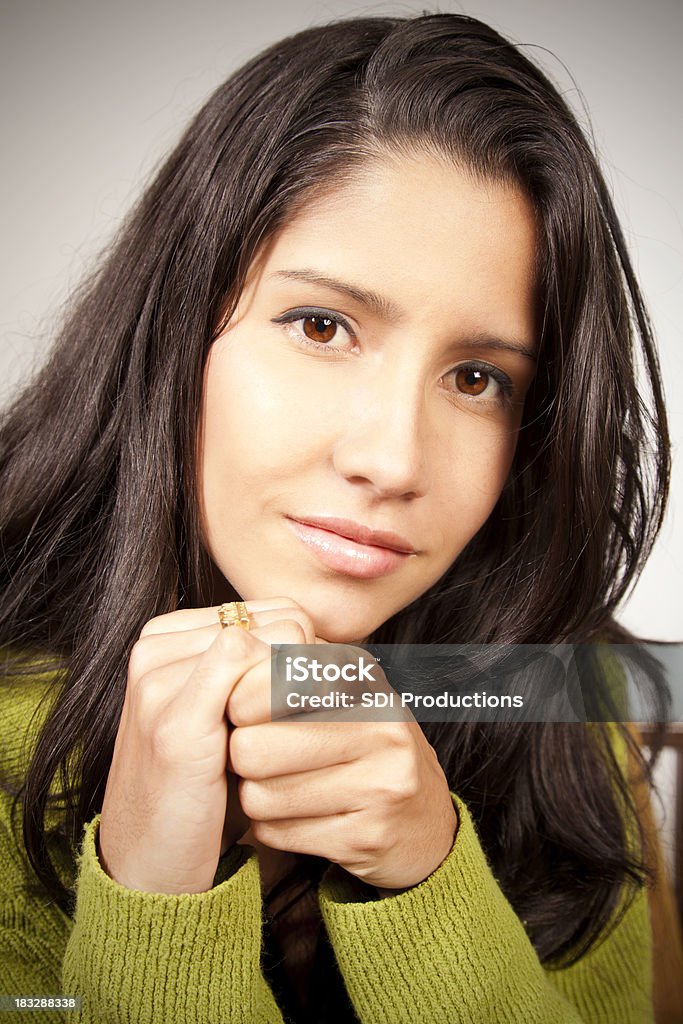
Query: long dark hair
point(99, 521)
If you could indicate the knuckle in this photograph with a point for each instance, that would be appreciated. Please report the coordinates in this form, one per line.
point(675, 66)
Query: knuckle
point(253, 800)
point(301, 616)
point(155, 625)
point(373, 840)
point(306, 623)
point(139, 659)
point(294, 629)
point(164, 740)
point(234, 642)
point(244, 755)
point(145, 699)
point(262, 831)
point(244, 705)
point(239, 752)
point(238, 715)
point(404, 787)
point(396, 736)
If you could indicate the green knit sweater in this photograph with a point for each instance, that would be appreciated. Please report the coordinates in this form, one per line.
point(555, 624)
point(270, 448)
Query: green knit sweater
point(449, 950)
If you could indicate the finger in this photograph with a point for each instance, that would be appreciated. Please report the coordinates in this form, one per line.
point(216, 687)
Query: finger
point(250, 702)
point(327, 837)
point(154, 649)
point(196, 618)
point(264, 696)
point(157, 686)
point(286, 613)
point(283, 748)
point(201, 703)
point(338, 789)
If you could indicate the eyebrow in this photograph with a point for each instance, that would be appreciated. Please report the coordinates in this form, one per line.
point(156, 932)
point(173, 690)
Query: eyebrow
point(389, 311)
point(380, 306)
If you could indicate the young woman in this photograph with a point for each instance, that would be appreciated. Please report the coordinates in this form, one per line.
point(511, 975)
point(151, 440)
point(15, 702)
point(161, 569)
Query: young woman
point(359, 366)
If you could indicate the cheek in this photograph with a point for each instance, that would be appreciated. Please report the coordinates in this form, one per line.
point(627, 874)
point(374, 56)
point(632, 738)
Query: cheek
point(229, 439)
point(471, 482)
point(257, 431)
point(245, 415)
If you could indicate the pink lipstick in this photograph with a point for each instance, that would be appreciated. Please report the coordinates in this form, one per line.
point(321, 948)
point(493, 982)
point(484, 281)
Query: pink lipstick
point(352, 548)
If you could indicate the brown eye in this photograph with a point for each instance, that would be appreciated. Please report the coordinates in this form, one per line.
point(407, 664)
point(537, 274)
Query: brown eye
point(471, 381)
point(319, 328)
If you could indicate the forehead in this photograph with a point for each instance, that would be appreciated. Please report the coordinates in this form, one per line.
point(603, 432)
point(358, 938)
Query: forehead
point(415, 230)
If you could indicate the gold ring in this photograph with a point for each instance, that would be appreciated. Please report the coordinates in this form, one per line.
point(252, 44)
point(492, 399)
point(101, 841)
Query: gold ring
point(234, 613)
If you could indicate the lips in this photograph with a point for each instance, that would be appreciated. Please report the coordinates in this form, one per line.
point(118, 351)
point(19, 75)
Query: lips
point(361, 534)
point(368, 554)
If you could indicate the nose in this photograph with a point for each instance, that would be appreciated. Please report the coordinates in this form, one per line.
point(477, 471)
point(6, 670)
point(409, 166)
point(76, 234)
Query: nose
point(384, 442)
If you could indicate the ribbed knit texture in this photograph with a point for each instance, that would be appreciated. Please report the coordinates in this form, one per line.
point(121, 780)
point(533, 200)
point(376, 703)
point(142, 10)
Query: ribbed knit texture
point(448, 950)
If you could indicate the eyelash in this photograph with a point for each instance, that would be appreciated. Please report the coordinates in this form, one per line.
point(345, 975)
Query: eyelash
point(305, 313)
point(311, 313)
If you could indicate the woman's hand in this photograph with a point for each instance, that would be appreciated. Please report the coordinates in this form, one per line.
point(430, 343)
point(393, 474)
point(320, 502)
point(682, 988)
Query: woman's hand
point(368, 795)
point(165, 819)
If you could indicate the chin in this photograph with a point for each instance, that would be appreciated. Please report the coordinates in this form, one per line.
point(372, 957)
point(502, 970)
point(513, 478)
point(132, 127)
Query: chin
point(340, 635)
point(338, 626)
point(339, 621)
point(340, 614)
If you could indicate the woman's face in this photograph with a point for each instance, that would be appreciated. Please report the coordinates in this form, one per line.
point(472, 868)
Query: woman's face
point(371, 381)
